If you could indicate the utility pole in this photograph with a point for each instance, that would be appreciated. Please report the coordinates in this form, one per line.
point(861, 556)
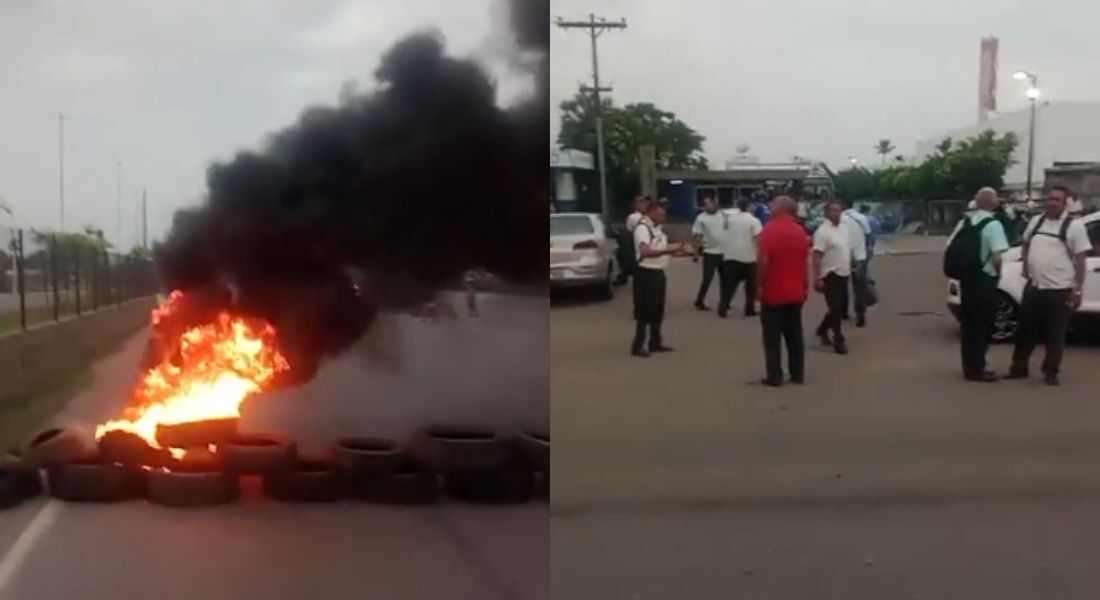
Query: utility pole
point(144, 221)
point(595, 27)
point(61, 165)
point(118, 209)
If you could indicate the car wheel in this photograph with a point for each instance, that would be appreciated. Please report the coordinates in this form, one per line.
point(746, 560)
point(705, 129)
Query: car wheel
point(1006, 321)
point(605, 290)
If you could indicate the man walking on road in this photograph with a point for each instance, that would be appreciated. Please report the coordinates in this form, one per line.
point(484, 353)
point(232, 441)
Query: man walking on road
point(740, 238)
point(858, 229)
point(653, 250)
point(781, 278)
point(832, 265)
point(973, 257)
point(707, 231)
point(1054, 250)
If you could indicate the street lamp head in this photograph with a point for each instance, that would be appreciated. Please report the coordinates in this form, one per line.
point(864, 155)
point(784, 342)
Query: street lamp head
point(1020, 75)
point(1033, 92)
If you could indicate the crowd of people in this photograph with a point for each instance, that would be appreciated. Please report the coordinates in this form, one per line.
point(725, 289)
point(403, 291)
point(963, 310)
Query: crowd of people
point(778, 261)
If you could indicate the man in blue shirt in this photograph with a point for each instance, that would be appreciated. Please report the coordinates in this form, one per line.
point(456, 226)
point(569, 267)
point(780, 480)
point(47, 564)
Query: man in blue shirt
point(761, 210)
point(978, 294)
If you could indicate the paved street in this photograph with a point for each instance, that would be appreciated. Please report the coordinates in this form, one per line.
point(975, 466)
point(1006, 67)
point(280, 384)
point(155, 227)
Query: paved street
point(886, 476)
point(406, 373)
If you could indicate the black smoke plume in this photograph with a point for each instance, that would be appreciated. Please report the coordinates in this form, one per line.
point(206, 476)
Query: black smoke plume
point(378, 202)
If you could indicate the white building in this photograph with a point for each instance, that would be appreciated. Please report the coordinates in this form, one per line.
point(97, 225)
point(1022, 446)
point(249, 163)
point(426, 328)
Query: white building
point(1064, 132)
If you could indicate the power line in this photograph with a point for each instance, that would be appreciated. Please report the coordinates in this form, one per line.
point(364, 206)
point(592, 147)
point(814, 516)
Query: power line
point(595, 27)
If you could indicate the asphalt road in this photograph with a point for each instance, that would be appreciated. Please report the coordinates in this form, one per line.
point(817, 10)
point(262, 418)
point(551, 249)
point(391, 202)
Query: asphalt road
point(488, 371)
point(885, 476)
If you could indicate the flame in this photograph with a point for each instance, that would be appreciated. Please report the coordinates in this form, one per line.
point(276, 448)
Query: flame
point(215, 367)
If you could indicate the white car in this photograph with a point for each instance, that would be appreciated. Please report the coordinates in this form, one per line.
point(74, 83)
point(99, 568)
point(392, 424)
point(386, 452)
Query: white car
point(582, 253)
point(1012, 283)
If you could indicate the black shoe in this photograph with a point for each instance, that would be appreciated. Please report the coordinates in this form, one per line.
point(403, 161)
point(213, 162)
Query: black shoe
point(825, 339)
point(639, 352)
point(768, 381)
point(984, 377)
point(701, 306)
point(751, 313)
point(1016, 374)
point(861, 321)
point(840, 348)
point(847, 317)
point(661, 348)
point(1051, 379)
point(798, 380)
point(722, 313)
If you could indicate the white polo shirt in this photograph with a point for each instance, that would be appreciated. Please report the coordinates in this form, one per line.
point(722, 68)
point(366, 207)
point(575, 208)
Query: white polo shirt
point(832, 242)
point(1048, 259)
point(739, 236)
point(632, 220)
point(858, 228)
point(648, 233)
point(709, 227)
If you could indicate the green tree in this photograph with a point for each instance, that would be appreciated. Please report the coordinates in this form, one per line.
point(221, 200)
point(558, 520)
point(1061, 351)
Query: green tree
point(855, 182)
point(677, 146)
point(884, 147)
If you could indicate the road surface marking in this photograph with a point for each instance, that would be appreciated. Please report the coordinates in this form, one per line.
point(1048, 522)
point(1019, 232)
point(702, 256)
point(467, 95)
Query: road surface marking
point(13, 561)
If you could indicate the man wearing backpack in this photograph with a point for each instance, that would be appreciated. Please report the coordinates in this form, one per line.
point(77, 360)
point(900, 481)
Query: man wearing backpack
point(1054, 250)
point(973, 257)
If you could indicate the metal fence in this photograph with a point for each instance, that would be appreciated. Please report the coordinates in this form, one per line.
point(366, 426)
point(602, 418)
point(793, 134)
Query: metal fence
point(50, 276)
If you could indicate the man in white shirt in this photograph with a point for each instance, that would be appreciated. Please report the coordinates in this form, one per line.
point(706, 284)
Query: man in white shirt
point(707, 231)
point(858, 229)
point(637, 212)
point(626, 240)
point(1055, 246)
point(653, 250)
point(832, 265)
point(739, 251)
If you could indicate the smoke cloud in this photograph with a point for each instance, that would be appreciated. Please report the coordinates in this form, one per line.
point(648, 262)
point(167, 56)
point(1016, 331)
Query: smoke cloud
point(377, 202)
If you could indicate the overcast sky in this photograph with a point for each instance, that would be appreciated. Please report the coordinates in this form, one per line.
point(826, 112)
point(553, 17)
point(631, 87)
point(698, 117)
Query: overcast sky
point(825, 78)
point(167, 86)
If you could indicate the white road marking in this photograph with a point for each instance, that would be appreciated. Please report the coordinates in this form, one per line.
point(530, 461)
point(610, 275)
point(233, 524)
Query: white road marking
point(13, 561)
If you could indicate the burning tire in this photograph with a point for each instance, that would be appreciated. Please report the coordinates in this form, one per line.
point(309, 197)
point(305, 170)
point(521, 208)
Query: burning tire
point(453, 449)
point(56, 446)
point(511, 485)
point(536, 449)
point(191, 484)
point(131, 450)
point(257, 454)
point(17, 485)
point(309, 480)
point(408, 485)
point(196, 434)
point(90, 479)
point(367, 456)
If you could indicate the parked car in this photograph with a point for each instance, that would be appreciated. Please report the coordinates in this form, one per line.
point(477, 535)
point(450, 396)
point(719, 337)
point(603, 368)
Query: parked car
point(582, 254)
point(1011, 287)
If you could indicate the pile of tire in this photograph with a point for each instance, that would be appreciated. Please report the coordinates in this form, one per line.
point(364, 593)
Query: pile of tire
point(463, 464)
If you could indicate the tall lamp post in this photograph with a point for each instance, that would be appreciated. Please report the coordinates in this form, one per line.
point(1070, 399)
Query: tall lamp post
point(1032, 96)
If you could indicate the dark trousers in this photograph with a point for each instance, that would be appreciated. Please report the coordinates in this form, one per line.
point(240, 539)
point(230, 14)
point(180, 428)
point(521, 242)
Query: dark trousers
point(712, 263)
point(783, 322)
point(859, 288)
point(649, 307)
point(978, 296)
point(733, 273)
point(836, 301)
point(1044, 316)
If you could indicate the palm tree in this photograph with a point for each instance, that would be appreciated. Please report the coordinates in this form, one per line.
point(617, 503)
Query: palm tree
point(884, 147)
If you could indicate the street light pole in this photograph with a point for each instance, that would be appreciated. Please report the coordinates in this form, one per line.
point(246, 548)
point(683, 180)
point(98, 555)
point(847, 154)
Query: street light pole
point(1032, 95)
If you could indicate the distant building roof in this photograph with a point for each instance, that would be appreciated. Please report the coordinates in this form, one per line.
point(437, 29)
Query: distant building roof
point(570, 158)
point(754, 172)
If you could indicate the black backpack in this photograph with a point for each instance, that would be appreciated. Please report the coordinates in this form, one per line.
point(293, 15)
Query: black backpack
point(1061, 235)
point(963, 258)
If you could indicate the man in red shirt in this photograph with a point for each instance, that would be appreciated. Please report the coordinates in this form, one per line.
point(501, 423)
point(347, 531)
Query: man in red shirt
point(782, 282)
